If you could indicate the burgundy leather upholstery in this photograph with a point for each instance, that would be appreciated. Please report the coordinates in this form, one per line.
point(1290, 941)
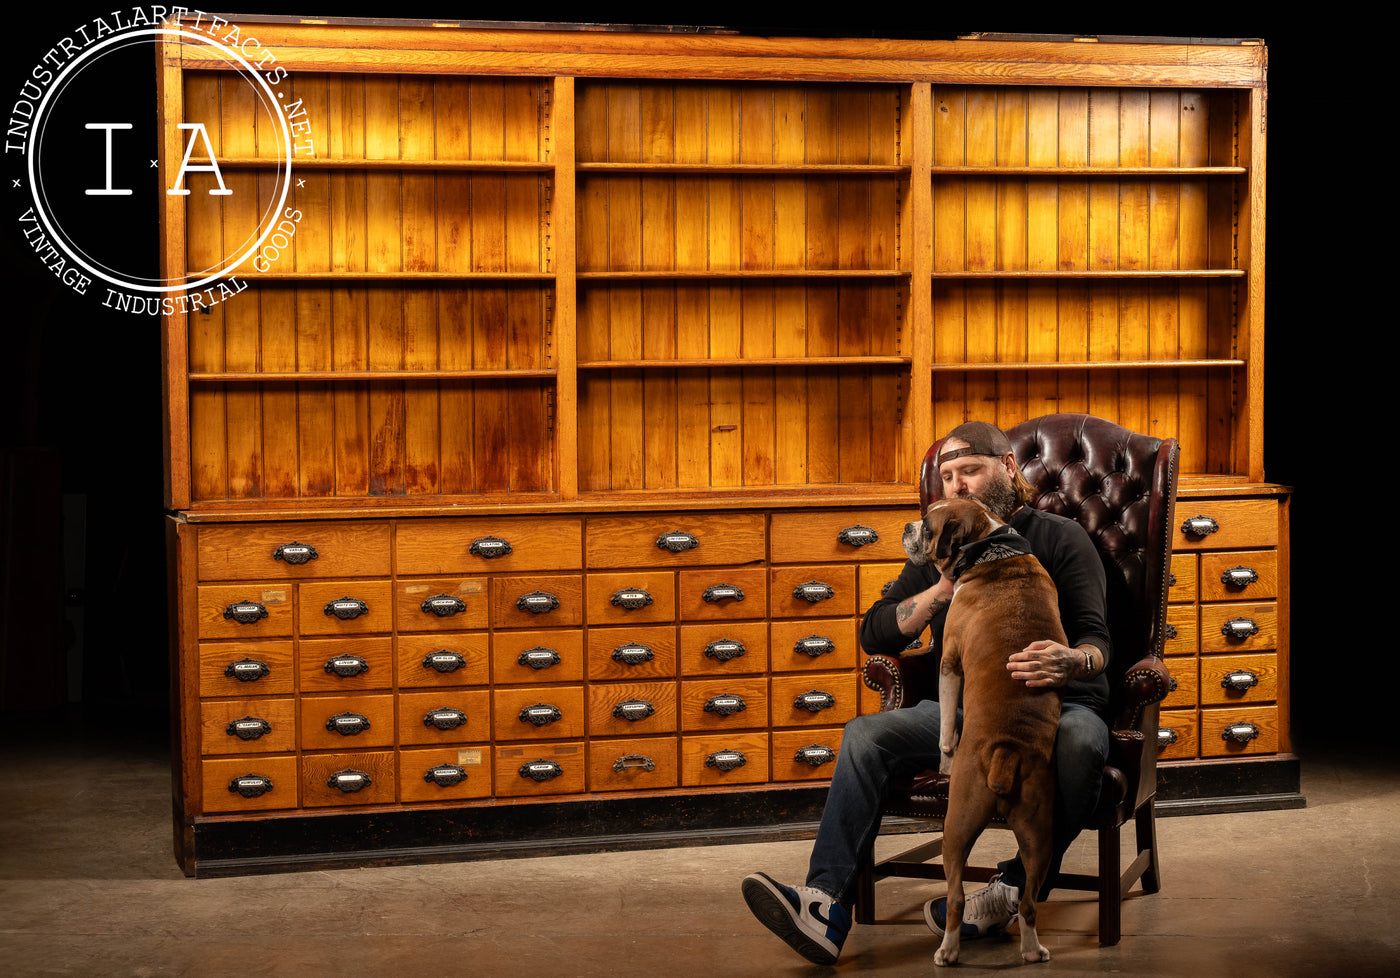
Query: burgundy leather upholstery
point(1121, 487)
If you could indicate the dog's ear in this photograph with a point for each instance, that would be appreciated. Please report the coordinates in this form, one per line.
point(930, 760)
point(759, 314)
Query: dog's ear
point(951, 536)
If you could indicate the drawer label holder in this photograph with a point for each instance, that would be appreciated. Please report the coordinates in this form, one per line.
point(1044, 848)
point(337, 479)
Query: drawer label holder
point(537, 602)
point(1239, 577)
point(1200, 527)
point(722, 592)
point(247, 670)
point(349, 780)
point(725, 705)
point(347, 666)
point(630, 599)
point(348, 724)
point(814, 701)
point(541, 770)
point(248, 728)
point(1239, 733)
point(445, 718)
point(1240, 679)
point(633, 654)
point(1239, 628)
point(858, 536)
point(246, 612)
point(633, 761)
point(815, 645)
point(1166, 736)
point(541, 714)
point(295, 553)
point(726, 760)
point(677, 541)
point(815, 755)
point(444, 661)
point(443, 605)
point(250, 785)
point(814, 591)
point(489, 548)
point(725, 649)
point(445, 775)
point(538, 658)
point(346, 608)
point(633, 710)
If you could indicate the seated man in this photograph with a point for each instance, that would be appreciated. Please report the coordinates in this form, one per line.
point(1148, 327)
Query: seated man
point(975, 461)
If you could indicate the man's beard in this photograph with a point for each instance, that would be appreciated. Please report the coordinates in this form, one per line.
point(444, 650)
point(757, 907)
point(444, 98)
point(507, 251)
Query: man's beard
point(999, 496)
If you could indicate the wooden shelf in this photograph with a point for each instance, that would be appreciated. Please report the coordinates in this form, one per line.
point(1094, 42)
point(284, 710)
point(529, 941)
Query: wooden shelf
point(702, 362)
point(768, 274)
point(408, 278)
point(959, 368)
point(1192, 273)
point(746, 169)
point(1151, 172)
point(483, 166)
point(343, 375)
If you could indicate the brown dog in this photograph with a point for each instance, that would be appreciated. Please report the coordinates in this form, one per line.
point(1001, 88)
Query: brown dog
point(1003, 601)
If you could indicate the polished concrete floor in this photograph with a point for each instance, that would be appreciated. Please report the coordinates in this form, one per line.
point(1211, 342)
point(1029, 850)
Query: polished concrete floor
point(88, 887)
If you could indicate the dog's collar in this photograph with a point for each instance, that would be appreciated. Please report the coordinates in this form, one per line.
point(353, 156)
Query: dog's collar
point(1001, 543)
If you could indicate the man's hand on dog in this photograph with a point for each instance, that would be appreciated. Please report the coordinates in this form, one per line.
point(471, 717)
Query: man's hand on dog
point(1045, 663)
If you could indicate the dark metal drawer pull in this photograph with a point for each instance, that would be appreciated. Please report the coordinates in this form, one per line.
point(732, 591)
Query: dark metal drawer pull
point(725, 704)
point(1240, 679)
point(445, 775)
point(295, 553)
point(541, 714)
point(1171, 684)
point(246, 612)
point(1166, 736)
point(814, 591)
point(248, 728)
point(633, 710)
point(815, 755)
point(444, 661)
point(918, 643)
point(1239, 628)
point(1239, 577)
point(633, 654)
point(538, 658)
point(349, 780)
point(1171, 630)
point(1199, 526)
point(677, 541)
point(631, 598)
point(814, 701)
point(633, 761)
point(1240, 733)
point(348, 724)
point(346, 608)
point(815, 645)
point(347, 665)
point(858, 536)
point(721, 592)
point(885, 588)
point(445, 718)
point(251, 785)
point(726, 760)
point(247, 670)
point(537, 602)
point(541, 770)
point(1171, 580)
point(443, 605)
point(725, 649)
point(489, 548)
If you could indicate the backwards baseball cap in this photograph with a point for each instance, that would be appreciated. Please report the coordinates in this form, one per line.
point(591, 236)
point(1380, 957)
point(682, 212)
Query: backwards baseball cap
point(981, 438)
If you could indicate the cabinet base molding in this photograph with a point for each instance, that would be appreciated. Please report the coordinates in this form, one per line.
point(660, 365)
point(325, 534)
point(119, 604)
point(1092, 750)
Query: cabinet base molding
point(1210, 787)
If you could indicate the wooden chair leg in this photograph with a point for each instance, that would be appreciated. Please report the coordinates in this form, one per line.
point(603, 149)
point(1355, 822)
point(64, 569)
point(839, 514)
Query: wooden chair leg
point(865, 892)
point(1110, 887)
point(1147, 842)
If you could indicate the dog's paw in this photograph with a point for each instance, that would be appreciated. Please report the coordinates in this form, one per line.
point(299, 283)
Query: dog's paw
point(1035, 954)
point(943, 957)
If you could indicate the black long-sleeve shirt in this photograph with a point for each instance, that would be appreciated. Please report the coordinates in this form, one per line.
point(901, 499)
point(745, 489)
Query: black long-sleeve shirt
point(1066, 553)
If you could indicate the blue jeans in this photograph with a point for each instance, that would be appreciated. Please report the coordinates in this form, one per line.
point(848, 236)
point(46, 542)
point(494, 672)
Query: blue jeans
point(877, 747)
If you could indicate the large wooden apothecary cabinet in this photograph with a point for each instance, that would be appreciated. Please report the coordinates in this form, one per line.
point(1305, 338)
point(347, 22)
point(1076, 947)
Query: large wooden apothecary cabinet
point(529, 499)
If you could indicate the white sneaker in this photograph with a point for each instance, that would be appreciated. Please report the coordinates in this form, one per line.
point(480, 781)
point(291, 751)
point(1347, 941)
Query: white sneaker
point(987, 911)
point(813, 924)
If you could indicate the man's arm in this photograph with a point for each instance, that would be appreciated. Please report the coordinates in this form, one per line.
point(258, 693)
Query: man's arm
point(916, 598)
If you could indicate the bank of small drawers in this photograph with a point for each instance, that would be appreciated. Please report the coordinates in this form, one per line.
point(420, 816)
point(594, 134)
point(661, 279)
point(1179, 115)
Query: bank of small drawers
point(456, 660)
point(1223, 639)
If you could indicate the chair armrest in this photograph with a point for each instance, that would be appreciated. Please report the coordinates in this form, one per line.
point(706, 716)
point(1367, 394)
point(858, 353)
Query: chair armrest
point(903, 681)
point(1145, 683)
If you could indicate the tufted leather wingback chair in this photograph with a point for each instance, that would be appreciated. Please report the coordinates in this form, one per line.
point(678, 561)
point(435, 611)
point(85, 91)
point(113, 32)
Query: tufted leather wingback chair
point(1121, 487)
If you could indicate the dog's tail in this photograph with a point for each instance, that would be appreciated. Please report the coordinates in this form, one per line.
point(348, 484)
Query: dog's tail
point(1004, 771)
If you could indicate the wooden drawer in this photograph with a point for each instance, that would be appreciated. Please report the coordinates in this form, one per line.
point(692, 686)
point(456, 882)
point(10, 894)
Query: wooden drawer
point(625, 652)
point(1253, 730)
point(813, 700)
point(249, 551)
point(1227, 679)
point(350, 778)
point(245, 668)
point(522, 712)
point(630, 597)
point(635, 764)
point(443, 604)
point(732, 758)
point(1178, 735)
point(663, 540)
point(547, 656)
point(805, 537)
point(631, 709)
point(345, 607)
point(331, 722)
point(726, 649)
point(525, 602)
point(451, 716)
point(1185, 674)
point(258, 725)
point(529, 770)
point(825, 591)
point(1238, 522)
point(802, 645)
point(1182, 583)
point(502, 545)
point(426, 774)
point(723, 594)
point(1249, 575)
point(440, 660)
point(346, 664)
point(1262, 618)
point(1183, 637)
point(805, 755)
point(244, 611)
point(724, 702)
point(234, 784)
point(874, 579)
point(869, 699)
